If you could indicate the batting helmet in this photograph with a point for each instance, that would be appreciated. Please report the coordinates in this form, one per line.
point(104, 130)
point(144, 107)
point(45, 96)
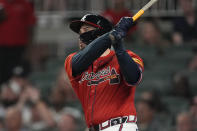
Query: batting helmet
point(94, 20)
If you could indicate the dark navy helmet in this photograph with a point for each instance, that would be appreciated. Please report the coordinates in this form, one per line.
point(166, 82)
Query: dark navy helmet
point(94, 20)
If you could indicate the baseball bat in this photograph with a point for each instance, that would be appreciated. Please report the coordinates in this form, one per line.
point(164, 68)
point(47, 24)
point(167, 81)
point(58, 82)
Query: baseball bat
point(141, 12)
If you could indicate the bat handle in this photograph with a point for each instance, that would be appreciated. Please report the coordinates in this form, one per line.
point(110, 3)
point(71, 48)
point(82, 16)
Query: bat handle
point(138, 14)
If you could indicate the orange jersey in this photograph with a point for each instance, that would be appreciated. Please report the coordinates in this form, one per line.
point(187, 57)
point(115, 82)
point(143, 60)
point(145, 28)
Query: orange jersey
point(102, 89)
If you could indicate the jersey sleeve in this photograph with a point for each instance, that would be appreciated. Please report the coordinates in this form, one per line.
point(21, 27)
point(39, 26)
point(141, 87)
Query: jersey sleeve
point(137, 60)
point(140, 64)
point(68, 67)
point(73, 80)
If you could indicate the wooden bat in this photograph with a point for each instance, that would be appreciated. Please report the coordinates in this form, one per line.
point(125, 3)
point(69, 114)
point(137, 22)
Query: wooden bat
point(141, 12)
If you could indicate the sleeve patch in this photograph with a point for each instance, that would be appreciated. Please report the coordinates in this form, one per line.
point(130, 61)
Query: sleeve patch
point(138, 61)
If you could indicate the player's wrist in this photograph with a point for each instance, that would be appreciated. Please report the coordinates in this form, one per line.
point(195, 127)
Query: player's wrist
point(121, 29)
point(115, 36)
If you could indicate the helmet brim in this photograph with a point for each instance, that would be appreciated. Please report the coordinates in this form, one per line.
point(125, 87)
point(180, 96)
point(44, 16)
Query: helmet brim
point(76, 25)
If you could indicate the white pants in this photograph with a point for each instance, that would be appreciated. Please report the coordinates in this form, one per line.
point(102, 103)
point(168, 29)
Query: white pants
point(123, 127)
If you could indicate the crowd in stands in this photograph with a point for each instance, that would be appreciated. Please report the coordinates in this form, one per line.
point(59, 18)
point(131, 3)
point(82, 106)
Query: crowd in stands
point(23, 106)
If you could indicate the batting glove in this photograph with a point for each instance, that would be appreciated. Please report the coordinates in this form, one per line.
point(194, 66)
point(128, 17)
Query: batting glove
point(121, 28)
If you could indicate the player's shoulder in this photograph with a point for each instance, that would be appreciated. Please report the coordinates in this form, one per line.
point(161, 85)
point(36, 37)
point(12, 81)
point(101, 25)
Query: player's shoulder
point(131, 53)
point(70, 56)
point(134, 55)
point(68, 61)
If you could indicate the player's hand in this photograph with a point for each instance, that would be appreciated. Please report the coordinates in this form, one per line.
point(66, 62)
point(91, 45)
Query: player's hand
point(122, 27)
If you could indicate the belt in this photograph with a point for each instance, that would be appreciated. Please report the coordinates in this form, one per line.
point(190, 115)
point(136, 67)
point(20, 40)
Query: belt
point(114, 121)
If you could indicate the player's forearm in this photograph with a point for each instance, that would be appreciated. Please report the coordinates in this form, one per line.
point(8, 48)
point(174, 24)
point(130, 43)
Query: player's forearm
point(83, 59)
point(128, 67)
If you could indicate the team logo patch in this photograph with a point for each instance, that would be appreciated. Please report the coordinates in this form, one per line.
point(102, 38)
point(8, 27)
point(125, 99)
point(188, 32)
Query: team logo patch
point(106, 74)
point(138, 61)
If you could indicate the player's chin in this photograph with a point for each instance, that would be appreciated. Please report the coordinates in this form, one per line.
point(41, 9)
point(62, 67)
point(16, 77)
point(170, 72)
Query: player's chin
point(82, 46)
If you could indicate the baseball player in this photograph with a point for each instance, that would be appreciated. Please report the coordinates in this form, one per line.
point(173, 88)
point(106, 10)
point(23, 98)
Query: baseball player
point(103, 79)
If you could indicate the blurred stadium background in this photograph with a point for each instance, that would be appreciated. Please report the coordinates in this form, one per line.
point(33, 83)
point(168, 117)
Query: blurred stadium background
point(169, 78)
